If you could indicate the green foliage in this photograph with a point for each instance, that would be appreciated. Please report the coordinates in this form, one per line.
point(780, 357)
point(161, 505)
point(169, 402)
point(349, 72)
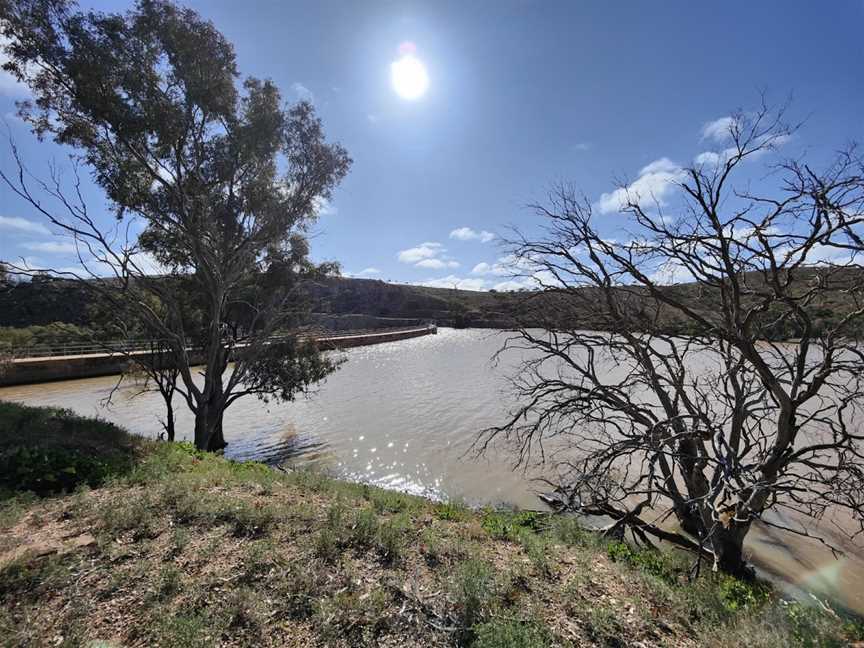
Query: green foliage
point(169, 583)
point(510, 633)
point(453, 511)
point(123, 514)
point(365, 528)
point(56, 334)
point(184, 630)
point(46, 450)
point(438, 550)
point(113, 94)
point(646, 560)
point(386, 501)
point(473, 591)
point(741, 595)
point(46, 471)
point(603, 625)
point(568, 530)
point(332, 536)
point(392, 538)
point(13, 506)
point(504, 525)
point(539, 551)
point(28, 579)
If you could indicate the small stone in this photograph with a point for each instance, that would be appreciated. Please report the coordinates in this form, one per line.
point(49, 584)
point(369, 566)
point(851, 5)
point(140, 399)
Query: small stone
point(42, 549)
point(83, 540)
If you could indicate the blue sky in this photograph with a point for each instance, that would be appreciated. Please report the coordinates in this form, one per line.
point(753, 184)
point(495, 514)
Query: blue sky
point(521, 94)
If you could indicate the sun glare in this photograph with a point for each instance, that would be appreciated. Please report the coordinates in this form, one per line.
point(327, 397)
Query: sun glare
point(409, 77)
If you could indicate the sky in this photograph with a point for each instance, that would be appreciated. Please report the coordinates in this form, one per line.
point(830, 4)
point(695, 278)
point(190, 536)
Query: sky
point(521, 94)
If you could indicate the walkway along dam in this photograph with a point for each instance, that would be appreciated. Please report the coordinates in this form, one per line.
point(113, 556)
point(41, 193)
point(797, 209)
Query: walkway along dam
point(24, 371)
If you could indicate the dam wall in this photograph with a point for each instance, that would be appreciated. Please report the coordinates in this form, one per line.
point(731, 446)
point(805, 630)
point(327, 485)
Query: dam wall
point(25, 371)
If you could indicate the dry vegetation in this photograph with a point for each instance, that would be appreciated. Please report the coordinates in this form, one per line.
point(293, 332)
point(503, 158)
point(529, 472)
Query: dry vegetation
point(180, 548)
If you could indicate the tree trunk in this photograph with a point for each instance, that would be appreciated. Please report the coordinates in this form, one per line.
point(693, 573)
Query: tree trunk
point(169, 423)
point(728, 546)
point(208, 427)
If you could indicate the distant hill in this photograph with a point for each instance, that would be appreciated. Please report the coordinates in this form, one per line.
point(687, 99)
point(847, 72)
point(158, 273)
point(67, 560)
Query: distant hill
point(43, 301)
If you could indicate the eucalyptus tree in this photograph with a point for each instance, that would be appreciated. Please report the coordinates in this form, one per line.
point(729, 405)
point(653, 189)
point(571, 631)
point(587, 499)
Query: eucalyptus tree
point(664, 385)
point(223, 179)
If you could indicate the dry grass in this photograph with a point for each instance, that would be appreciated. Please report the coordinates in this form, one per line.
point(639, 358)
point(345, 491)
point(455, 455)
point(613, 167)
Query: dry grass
point(188, 549)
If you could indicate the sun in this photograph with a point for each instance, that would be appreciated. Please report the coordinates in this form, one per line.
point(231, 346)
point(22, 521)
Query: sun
point(409, 77)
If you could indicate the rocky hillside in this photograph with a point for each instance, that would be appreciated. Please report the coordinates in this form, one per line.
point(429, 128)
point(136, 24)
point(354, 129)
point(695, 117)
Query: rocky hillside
point(45, 301)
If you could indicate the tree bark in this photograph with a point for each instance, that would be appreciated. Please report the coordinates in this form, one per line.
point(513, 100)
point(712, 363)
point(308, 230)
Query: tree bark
point(728, 546)
point(208, 428)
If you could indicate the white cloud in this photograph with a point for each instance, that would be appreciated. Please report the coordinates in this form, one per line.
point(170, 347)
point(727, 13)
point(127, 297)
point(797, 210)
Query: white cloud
point(509, 266)
point(436, 264)
point(372, 118)
point(369, 272)
point(22, 225)
point(452, 281)
point(582, 146)
point(303, 93)
point(671, 272)
point(654, 184)
point(498, 269)
point(426, 250)
point(719, 130)
point(713, 158)
point(716, 158)
point(51, 247)
point(506, 286)
point(468, 234)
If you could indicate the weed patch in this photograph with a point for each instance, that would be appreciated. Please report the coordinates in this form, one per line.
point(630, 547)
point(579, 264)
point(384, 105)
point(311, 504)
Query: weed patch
point(511, 633)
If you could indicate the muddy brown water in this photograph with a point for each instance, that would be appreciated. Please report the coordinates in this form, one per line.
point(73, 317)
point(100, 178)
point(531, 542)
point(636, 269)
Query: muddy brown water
point(403, 415)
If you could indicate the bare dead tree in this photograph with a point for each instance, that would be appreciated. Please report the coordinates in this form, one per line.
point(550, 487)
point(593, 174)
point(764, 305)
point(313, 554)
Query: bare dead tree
point(708, 370)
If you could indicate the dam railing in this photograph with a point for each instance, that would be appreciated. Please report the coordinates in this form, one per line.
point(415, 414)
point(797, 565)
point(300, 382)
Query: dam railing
point(120, 347)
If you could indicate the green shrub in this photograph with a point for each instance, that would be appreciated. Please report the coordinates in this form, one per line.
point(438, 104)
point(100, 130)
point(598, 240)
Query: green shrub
point(259, 561)
point(603, 626)
point(248, 519)
point(365, 528)
point(51, 470)
point(169, 583)
point(646, 560)
point(13, 507)
point(26, 579)
point(300, 587)
point(436, 549)
point(473, 591)
point(326, 545)
point(354, 618)
point(510, 633)
point(122, 514)
point(538, 550)
point(451, 510)
point(387, 501)
point(391, 538)
point(740, 595)
point(183, 630)
point(503, 525)
point(568, 530)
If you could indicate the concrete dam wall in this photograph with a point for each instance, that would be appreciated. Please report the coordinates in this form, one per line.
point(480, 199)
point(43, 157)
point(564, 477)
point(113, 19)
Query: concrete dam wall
point(26, 371)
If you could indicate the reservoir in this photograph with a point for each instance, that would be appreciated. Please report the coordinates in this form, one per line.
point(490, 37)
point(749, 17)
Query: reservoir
point(404, 415)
